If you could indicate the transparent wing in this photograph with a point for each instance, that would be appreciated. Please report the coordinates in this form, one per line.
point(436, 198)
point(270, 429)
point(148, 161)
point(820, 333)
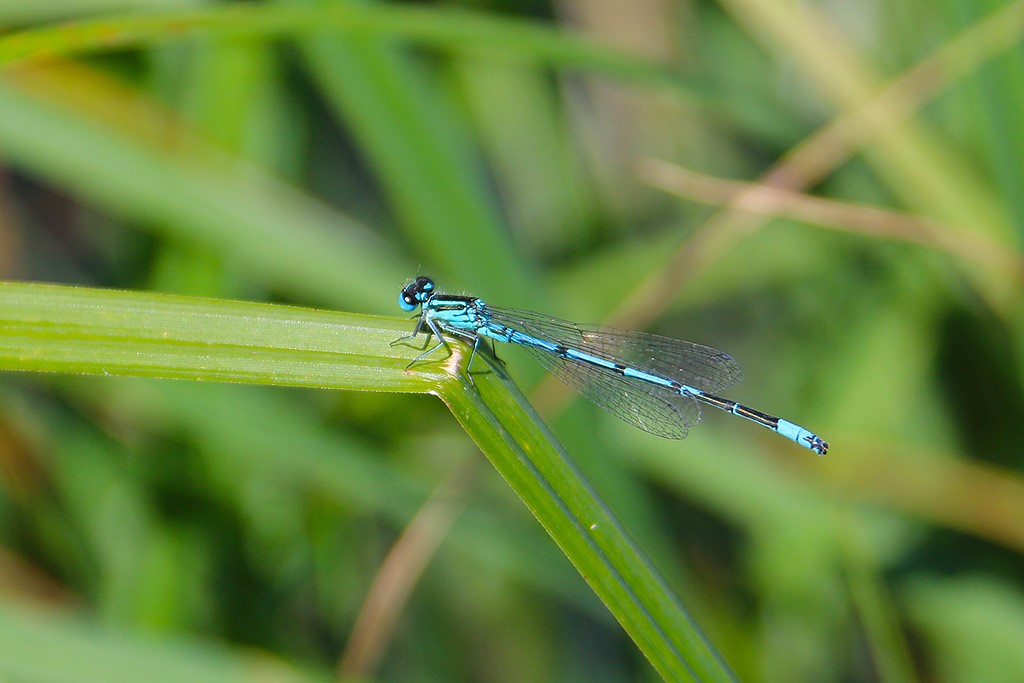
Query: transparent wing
point(647, 406)
point(698, 366)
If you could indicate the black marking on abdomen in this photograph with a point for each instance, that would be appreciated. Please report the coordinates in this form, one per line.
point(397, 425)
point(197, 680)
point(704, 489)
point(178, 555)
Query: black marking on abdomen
point(735, 408)
point(717, 401)
point(767, 420)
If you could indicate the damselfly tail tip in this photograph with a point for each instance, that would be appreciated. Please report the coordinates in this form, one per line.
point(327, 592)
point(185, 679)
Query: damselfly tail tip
point(804, 437)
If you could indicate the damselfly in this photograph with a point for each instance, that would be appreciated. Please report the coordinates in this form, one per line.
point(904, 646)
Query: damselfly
point(652, 382)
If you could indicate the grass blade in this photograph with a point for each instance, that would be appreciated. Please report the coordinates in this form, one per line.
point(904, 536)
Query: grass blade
point(80, 330)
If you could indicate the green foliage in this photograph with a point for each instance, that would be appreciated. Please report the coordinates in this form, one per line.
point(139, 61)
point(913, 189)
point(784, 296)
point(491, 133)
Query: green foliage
point(320, 153)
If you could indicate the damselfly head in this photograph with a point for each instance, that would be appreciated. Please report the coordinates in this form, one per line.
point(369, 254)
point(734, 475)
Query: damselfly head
point(416, 293)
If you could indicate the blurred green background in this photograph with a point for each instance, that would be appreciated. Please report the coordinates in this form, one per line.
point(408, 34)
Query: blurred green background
point(578, 158)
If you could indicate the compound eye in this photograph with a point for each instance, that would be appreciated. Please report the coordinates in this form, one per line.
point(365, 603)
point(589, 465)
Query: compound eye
point(406, 301)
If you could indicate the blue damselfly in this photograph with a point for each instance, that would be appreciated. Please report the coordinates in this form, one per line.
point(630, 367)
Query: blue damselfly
point(652, 382)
